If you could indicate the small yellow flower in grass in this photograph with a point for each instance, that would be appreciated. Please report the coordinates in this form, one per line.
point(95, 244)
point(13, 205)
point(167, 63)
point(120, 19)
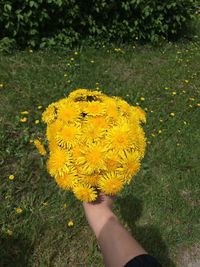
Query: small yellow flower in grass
point(137, 103)
point(85, 193)
point(9, 232)
point(159, 131)
point(174, 93)
point(1, 85)
point(37, 121)
point(76, 53)
point(142, 98)
point(24, 112)
point(39, 107)
point(91, 61)
point(30, 51)
point(72, 59)
point(110, 183)
point(18, 210)
point(198, 104)
point(70, 223)
point(186, 81)
point(11, 177)
point(185, 122)
point(65, 206)
point(65, 75)
point(172, 114)
point(166, 88)
point(40, 147)
point(192, 99)
point(24, 119)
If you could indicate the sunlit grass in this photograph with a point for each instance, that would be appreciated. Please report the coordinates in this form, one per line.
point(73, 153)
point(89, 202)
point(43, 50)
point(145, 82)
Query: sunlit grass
point(40, 225)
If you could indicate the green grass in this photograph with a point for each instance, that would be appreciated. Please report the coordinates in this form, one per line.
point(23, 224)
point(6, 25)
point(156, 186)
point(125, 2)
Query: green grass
point(160, 207)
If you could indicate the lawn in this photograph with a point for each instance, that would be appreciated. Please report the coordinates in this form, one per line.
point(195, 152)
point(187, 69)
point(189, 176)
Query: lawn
point(160, 207)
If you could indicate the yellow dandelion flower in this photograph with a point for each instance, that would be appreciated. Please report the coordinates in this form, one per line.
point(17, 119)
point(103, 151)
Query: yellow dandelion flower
point(91, 179)
point(95, 108)
point(18, 210)
point(40, 147)
point(67, 180)
point(49, 115)
point(123, 106)
point(131, 164)
point(112, 160)
point(70, 223)
point(53, 145)
point(58, 162)
point(68, 112)
point(93, 158)
point(111, 108)
point(139, 141)
point(77, 151)
point(24, 112)
point(99, 122)
point(110, 183)
point(92, 133)
point(53, 128)
point(119, 137)
point(138, 114)
point(85, 95)
point(68, 136)
point(85, 193)
point(11, 177)
point(198, 104)
point(24, 119)
point(9, 232)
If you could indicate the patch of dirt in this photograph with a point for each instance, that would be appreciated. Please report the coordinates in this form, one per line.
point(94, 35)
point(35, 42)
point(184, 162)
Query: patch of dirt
point(189, 257)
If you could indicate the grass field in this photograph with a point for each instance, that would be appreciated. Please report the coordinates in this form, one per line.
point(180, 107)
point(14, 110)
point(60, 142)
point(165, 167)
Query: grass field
point(160, 207)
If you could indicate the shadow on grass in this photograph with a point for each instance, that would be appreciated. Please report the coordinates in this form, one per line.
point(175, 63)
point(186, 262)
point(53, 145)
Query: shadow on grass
point(148, 236)
point(14, 251)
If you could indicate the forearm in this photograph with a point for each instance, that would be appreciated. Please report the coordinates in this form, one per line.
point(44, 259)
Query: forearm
point(116, 244)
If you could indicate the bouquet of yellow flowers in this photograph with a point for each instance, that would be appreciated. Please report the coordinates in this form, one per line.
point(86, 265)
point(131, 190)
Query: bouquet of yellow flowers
point(96, 143)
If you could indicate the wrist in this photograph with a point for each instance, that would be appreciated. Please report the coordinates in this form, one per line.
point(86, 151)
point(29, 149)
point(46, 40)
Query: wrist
point(97, 217)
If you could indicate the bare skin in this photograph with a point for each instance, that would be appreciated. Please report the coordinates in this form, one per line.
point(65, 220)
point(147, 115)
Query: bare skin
point(116, 243)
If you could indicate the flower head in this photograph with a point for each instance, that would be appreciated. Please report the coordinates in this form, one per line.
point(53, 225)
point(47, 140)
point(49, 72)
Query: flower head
point(85, 193)
point(40, 147)
point(58, 162)
point(110, 183)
